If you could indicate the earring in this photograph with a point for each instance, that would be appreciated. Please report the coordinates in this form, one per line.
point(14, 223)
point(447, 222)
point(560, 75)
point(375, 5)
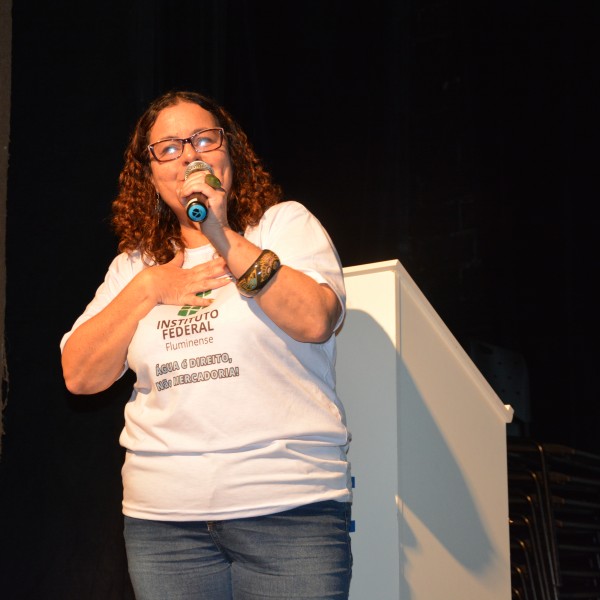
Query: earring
point(158, 209)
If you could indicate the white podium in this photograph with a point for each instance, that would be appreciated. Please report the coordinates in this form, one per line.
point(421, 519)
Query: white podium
point(428, 449)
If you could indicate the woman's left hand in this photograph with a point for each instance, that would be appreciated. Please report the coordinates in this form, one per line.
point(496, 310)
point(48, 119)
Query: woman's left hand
point(214, 198)
point(289, 294)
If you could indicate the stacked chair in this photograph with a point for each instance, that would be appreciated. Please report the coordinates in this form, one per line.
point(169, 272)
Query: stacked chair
point(554, 495)
point(554, 516)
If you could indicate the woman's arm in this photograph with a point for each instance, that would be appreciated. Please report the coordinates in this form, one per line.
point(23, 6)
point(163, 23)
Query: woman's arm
point(305, 309)
point(94, 355)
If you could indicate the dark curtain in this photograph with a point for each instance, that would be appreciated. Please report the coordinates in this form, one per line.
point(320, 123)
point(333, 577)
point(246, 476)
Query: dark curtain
point(5, 62)
point(456, 136)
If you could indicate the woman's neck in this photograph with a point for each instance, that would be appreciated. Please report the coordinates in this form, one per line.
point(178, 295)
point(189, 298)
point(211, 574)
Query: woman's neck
point(193, 236)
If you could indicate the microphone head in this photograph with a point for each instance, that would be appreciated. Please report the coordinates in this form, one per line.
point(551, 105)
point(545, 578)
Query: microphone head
point(197, 165)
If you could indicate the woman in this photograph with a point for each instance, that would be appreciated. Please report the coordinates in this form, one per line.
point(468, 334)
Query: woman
point(236, 483)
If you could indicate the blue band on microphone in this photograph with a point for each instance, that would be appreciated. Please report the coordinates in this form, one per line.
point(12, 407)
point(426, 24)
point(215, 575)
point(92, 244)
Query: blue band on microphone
point(196, 211)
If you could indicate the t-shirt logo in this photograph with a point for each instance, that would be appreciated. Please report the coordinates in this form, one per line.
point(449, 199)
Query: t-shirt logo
point(188, 310)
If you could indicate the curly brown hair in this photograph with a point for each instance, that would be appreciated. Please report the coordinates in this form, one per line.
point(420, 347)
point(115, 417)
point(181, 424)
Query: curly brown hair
point(152, 228)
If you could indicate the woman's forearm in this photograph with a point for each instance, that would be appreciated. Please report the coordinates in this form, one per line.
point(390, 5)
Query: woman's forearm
point(306, 310)
point(94, 354)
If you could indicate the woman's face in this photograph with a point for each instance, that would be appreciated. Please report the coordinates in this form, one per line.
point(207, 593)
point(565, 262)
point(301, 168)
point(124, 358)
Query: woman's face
point(181, 121)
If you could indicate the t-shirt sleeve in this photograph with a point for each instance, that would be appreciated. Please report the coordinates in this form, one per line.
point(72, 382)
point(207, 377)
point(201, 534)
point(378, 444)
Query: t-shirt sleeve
point(302, 243)
point(120, 272)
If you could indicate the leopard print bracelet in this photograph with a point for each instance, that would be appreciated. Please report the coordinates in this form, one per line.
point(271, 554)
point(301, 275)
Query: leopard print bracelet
point(259, 274)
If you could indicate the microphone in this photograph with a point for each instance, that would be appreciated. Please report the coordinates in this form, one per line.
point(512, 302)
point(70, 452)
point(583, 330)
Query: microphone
point(195, 208)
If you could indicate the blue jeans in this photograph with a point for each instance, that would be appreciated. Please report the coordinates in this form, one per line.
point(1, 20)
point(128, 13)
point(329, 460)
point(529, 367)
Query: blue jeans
point(300, 553)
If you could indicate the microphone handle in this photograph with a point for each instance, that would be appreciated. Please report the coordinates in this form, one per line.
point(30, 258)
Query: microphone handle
point(196, 210)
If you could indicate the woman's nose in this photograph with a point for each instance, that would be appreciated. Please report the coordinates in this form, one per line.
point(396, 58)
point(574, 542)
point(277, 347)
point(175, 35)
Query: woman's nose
point(189, 152)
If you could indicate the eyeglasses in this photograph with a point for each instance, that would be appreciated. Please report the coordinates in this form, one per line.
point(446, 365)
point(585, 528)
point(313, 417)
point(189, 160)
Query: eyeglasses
point(202, 141)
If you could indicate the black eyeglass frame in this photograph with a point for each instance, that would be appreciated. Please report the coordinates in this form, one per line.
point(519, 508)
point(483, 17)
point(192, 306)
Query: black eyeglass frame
point(189, 140)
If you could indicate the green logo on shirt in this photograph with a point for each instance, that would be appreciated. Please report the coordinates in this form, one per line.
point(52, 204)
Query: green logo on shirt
point(188, 310)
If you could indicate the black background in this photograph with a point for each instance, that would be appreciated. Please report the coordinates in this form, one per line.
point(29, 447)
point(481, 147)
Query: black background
point(456, 136)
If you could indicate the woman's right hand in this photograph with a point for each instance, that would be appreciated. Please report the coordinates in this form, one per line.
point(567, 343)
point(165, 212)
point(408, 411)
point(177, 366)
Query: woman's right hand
point(93, 360)
point(171, 284)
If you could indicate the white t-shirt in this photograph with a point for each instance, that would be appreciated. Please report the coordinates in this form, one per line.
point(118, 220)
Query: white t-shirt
point(230, 417)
